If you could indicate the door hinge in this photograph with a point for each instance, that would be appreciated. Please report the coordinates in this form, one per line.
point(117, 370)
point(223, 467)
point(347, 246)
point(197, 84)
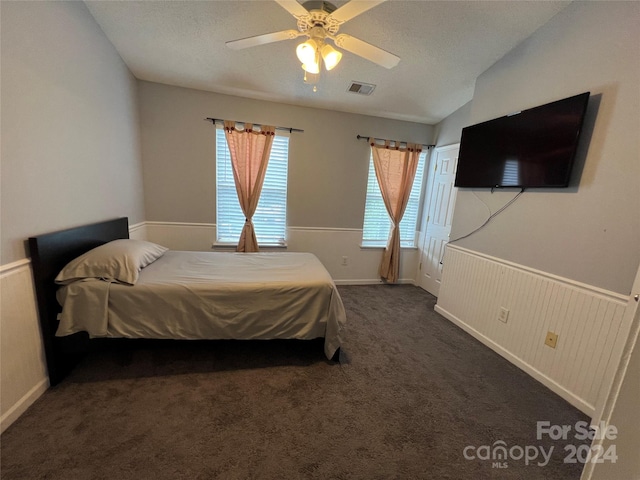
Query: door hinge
point(435, 168)
point(428, 218)
point(420, 267)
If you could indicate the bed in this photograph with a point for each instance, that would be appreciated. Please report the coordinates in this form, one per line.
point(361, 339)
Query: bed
point(176, 295)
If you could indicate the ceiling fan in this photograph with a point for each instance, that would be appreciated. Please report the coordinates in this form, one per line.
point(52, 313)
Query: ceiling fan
point(320, 21)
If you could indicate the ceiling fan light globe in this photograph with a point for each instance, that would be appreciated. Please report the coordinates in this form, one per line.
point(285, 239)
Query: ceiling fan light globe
point(312, 67)
point(331, 57)
point(306, 51)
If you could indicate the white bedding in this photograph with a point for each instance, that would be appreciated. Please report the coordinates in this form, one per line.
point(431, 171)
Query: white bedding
point(210, 295)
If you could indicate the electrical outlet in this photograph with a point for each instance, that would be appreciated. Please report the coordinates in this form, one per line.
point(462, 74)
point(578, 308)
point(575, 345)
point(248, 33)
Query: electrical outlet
point(503, 316)
point(345, 261)
point(551, 339)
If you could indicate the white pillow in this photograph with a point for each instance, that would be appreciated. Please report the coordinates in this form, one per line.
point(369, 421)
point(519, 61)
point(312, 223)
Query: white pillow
point(116, 261)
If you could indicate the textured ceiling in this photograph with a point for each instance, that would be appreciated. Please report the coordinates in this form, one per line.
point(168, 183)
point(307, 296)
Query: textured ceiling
point(444, 46)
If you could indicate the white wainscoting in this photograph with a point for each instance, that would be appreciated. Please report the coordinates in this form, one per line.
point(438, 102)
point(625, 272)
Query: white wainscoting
point(587, 319)
point(23, 371)
point(328, 244)
point(182, 236)
point(138, 231)
point(23, 368)
point(331, 244)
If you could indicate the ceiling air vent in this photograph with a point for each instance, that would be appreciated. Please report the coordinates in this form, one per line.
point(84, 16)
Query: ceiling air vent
point(361, 88)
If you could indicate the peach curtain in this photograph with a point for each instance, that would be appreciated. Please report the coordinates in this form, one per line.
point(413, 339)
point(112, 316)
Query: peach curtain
point(250, 152)
point(395, 170)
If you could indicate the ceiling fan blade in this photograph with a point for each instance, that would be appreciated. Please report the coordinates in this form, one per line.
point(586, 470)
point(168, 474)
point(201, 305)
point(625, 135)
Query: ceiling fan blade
point(353, 9)
point(262, 39)
point(293, 7)
point(366, 50)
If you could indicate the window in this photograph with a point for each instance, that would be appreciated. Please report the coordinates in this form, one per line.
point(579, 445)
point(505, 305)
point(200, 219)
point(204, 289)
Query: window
point(511, 173)
point(377, 224)
point(270, 218)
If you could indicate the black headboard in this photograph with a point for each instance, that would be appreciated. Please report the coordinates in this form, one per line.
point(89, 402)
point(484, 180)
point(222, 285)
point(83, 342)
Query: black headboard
point(49, 254)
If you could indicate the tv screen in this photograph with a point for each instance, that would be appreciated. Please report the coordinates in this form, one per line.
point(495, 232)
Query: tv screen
point(533, 148)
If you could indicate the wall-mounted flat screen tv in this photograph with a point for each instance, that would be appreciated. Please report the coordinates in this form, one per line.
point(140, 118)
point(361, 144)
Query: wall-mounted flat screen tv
point(534, 148)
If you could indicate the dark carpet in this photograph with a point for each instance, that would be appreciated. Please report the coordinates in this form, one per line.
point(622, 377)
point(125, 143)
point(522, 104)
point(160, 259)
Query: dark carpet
point(411, 393)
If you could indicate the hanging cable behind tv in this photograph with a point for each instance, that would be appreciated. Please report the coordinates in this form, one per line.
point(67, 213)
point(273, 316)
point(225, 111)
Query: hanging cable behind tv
point(489, 218)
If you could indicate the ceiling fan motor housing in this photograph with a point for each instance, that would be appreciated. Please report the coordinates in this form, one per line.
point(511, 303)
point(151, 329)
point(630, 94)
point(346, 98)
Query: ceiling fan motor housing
point(319, 16)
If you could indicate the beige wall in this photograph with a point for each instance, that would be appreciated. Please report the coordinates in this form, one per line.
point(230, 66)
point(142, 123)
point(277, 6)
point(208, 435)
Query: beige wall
point(328, 166)
point(70, 141)
point(70, 155)
point(589, 232)
point(449, 130)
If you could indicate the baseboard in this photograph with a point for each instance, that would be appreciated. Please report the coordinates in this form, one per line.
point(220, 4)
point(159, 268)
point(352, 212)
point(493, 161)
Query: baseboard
point(574, 400)
point(23, 404)
point(372, 281)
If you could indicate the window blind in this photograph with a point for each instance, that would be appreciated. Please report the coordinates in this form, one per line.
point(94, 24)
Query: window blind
point(270, 218)
point(377, 225)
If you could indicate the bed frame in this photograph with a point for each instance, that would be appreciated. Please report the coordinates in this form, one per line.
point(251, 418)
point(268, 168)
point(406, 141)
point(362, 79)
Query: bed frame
point(49, 254)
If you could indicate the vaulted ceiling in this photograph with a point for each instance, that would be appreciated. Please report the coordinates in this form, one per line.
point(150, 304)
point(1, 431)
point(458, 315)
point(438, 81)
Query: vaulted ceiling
point(444, 46)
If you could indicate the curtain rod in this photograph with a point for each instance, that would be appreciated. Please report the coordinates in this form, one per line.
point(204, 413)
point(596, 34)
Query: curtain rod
point(359, 137)
point(289, 129)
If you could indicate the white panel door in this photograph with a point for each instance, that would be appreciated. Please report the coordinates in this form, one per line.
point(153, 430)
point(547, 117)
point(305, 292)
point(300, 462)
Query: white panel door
point(439, 201)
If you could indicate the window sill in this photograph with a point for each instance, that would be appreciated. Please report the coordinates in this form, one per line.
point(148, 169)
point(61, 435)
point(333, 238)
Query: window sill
point(232, 246)
point(382, 247)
